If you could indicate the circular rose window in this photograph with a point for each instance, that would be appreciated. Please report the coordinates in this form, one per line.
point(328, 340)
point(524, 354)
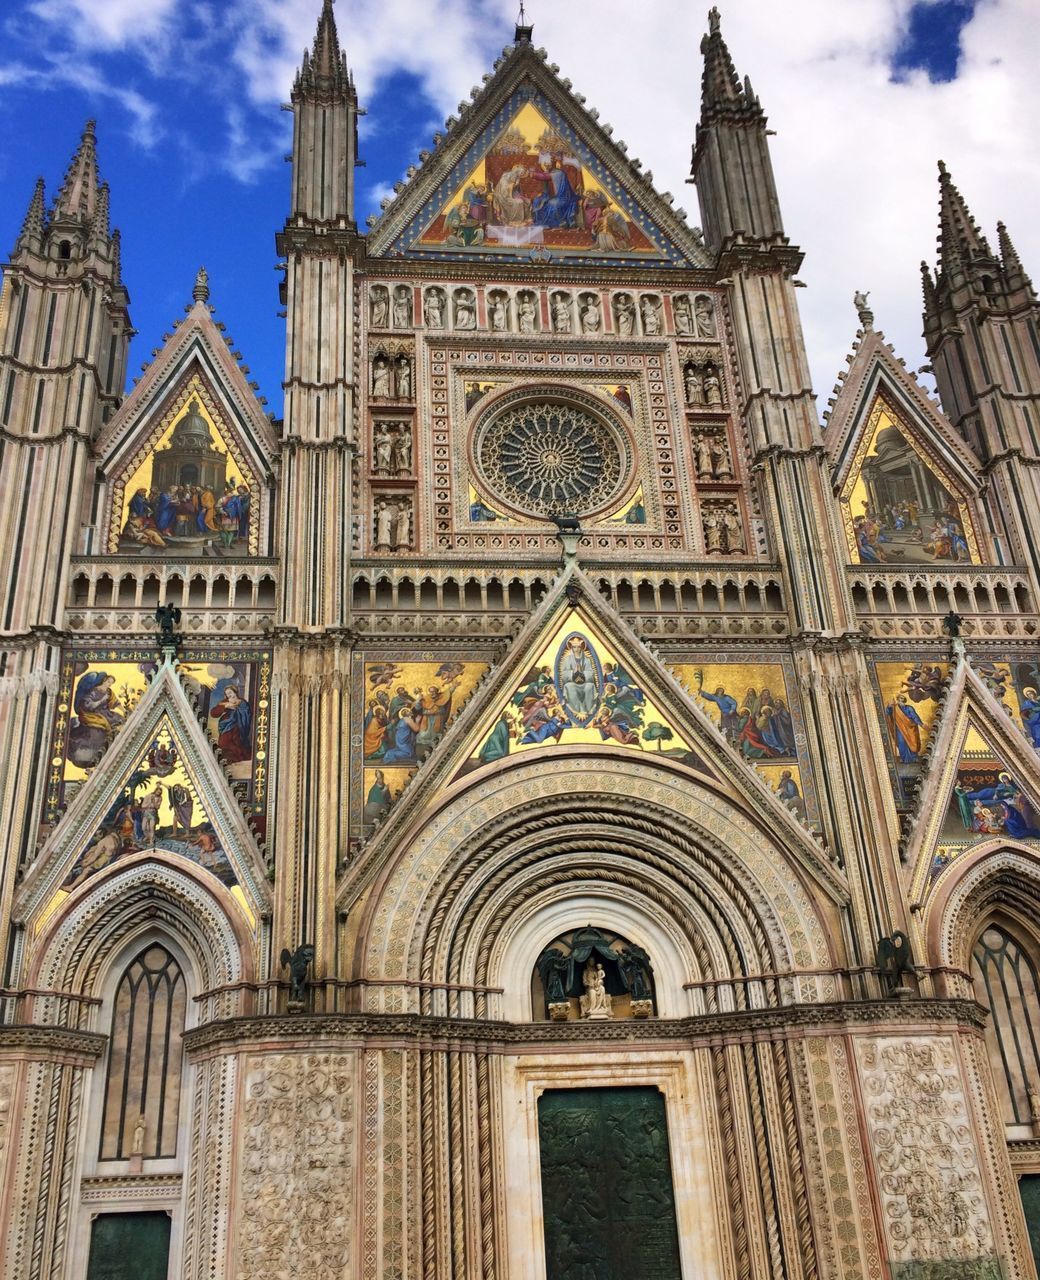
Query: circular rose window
point(552, 457)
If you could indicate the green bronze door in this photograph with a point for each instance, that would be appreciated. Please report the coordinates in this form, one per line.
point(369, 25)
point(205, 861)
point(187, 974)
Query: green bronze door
point(130, 1246)
point(607, 1194)
point(1029, 1188)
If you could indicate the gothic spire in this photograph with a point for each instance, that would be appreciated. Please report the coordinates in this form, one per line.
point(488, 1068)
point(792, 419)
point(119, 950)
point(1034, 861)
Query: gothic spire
point(931, 300)
point(325, 67)
point(100, 229)
point(721, 89)
point(960, 240)
point(77, 199)
point(1011, 263)
point(35, 220)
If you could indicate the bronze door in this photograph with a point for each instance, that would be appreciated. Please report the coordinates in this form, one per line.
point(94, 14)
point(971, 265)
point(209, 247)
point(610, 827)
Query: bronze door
point(607, 1196)
point(130, 1246)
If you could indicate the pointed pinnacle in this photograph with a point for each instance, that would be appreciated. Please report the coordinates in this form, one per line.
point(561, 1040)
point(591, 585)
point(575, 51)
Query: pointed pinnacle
point(931, 301)
point(117, 256)
point(960, 239)
point(201, 290)
point(1008, 252)
point(77, 198)
point(99, 228)
point(35, 218)
point(721, 88)
point(325, 64)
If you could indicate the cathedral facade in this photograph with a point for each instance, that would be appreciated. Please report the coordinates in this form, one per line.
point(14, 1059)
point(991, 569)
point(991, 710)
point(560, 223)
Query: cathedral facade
point(548, 808)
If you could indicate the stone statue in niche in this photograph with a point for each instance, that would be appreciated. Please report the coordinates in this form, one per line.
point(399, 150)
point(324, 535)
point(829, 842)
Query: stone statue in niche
point(383, 442)
point(723, 529)
point(401, 450)
point(595, 1004)
point(720, 463)
point(498, 313)
point(403, 377)
point(140, 1128)
point(561, 313)
point(694, 382)
point(379, 308)
point(634, 964)
point(704, 310)
point(625, 315)
point(381, 377)
point(402, 307)
point(433, 309)
point(527, 313)
point(553, 967)
point(683, 313)
point(712, 387)
point(591, 314)
point(403, 526)
point(465, 309)
point(386, 519)
point(702, 449)
point(650, 310)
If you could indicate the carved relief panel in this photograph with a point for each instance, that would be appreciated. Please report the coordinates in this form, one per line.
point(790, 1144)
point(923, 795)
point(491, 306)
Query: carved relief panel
point(926, 1162)
point(297, 1166)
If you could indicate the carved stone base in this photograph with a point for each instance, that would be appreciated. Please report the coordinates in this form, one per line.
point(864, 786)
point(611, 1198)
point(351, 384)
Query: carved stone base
point(560, 1010)
point(597, 1015)
point(296, 1006)
point(642, 1008)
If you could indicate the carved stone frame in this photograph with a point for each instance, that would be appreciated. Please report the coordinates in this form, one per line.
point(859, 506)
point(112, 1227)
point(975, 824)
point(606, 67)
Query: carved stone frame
point(701, 1208)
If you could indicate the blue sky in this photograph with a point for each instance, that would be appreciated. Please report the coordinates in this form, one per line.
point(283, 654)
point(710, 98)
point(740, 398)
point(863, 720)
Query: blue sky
point(865, 95)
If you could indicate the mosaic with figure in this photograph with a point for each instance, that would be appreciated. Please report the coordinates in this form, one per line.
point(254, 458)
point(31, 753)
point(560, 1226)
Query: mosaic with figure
point(987, 800)
point(189, 493)
point(100, 689)
point(576, 692)
point(158, 807)
point(896, 505)
point(750, 704)
point(408, 707)
point(908, 694)
point(529, 184)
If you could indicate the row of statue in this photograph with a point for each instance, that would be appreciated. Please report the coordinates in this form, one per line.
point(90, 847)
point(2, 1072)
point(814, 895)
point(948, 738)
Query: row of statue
point(391, 380)
point(712, 458)
point(392, 449)
point(723, 529)
point(703, 385)
point(693, 316)
point(393, 525)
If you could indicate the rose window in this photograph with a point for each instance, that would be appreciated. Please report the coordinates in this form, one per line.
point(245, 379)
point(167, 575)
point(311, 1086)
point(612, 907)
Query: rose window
point(546, 458)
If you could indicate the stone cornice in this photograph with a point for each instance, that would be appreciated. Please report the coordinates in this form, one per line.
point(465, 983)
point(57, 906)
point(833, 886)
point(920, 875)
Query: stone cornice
point(786, 1022)
point(82, 1048)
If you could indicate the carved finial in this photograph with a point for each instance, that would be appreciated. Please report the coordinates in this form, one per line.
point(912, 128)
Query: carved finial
point(201, 290)
point(714, 21)
point(866, 316)
point(524, 30)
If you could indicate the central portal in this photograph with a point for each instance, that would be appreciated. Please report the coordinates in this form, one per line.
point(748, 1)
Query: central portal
point(607, 1195)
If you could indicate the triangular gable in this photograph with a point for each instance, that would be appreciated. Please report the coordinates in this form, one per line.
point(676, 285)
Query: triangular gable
point(575, 691)
point(875, 370)
point(901, 502)
point(159, 785)
point(218, 488)
point(528, 171)
point(573, 607)
point(196, 345)
point(982, 784)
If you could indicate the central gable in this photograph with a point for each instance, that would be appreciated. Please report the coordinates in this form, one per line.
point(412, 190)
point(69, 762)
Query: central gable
point(530, 184)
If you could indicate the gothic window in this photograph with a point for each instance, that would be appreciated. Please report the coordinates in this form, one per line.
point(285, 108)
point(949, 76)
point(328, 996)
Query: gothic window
point(1006, 982)
point(592, 975)
point(142, 1089)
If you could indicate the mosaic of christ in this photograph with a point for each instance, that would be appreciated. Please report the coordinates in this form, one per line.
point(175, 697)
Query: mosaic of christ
point(531, 189)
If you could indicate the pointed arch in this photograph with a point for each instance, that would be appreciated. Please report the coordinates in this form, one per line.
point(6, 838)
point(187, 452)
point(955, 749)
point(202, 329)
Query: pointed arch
point(149, 895)
point(729, 901)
